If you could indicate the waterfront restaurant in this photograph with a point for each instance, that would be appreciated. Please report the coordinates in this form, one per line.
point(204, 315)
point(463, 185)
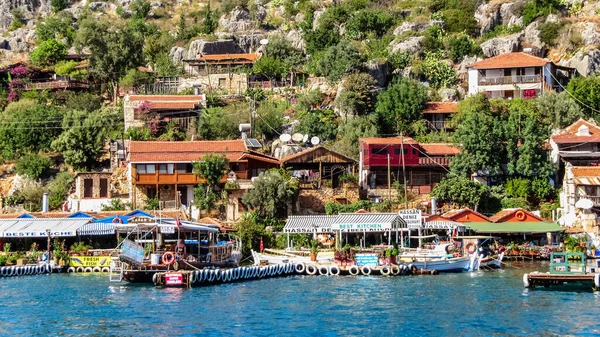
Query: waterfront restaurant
point(351, 228)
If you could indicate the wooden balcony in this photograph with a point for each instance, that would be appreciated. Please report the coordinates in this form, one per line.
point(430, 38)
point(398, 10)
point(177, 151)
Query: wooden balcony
point(434, 161)
point(51, 85)
point(176, 178)
point(510, 79)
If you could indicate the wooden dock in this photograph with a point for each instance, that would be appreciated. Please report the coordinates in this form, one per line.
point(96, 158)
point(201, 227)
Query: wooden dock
point(536, 279)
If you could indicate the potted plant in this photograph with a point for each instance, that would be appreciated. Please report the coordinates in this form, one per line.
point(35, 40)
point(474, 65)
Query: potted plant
point(348, 180)
point(593, 250)
point(314, 250)
point(12, 259)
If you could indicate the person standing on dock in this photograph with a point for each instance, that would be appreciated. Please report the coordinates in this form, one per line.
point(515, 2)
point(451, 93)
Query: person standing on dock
point(180, 250)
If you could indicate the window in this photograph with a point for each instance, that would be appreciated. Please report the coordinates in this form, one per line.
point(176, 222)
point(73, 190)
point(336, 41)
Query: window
point(150, 169)
point(507, 72)
point(379, 151)
point(103, 188)
point(162, 168)
point(88, 188)
point(222, 82)
point(398, 151)
point(141, 168)
point(185, 168)
point(146, 168)
point(537, 70)
point(170, 168)
point(414, 151)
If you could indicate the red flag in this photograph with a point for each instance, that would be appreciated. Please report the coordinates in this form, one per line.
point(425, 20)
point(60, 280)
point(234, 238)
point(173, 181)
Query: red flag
point(177, 222)
point(262, 245)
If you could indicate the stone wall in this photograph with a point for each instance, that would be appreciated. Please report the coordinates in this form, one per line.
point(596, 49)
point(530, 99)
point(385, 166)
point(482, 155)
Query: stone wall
point(313, 201)
point(129, 114)
point(81, 177)
point(231, 84)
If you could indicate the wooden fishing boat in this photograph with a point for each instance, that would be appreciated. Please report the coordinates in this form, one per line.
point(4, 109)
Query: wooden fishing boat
point(443, 264)
point(566, 269)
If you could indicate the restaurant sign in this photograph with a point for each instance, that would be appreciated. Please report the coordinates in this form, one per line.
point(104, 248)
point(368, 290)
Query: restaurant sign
point(356, 227)
point(412, 217)
point(89, 261)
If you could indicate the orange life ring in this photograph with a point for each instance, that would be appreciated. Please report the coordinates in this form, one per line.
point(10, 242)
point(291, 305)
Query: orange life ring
point(170, 259)
point(520, 215)
point(117, 220)
point(470, 248)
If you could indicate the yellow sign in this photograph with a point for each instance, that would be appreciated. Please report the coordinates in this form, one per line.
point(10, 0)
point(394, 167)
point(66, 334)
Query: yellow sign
point(90, 261)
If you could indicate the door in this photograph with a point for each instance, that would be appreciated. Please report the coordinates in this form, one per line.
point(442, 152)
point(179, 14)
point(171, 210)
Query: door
point(183, 191)
point(88, 188)
point(103, 188)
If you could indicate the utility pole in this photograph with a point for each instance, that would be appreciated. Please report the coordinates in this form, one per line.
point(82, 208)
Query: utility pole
point(404, 172)
point(389, 178)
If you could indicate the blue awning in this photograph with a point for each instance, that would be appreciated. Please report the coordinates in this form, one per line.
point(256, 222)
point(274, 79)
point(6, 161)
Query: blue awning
point(113, 219)
point(97, 228)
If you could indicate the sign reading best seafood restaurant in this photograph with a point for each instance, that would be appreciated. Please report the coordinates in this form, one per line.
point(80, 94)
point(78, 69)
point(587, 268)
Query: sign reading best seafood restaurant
point(370, 227)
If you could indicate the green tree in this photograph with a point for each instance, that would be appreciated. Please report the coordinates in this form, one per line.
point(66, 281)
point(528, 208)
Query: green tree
point(475, 122)
point(526, 139)
point(134, 78)
point(222, 122)
point(558, 109)
point(59, 188)
point(457, 22)
point(28, 127)
point(586, 92)
point(461, 190)
point(368, 20)
point(58, 26)
point(336, 61)
point(140, 9)
point(440, 74)
point(459, 47)
point(357, 96)
point(400, 105)
point(270, 67)
point(115, 48)
point(347, 142)
point(210, 23)
point(270, 119)
point(82, 141)
point(48, 53)
point(33, 166)
point(272, 193)
point(68, 68)
point(59, 5)
point(251, 230)
point(211, 168)
point(281, 48)
point(319, 123)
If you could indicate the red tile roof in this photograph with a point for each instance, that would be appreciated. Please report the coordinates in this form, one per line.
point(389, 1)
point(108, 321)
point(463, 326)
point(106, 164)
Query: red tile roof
point(167, 98)
point(228, 57)
point(440, 107)
point(586, 171)
point(388, 141)
point(570, 133)
point(457, 213)
point(510, 60)
point(505, 214)
point(156, 152)
point(440, 149)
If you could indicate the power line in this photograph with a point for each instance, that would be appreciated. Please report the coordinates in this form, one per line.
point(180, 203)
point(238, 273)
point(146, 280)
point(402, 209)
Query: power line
point(570, 94)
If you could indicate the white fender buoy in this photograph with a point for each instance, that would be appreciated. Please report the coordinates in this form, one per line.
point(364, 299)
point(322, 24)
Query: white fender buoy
point(385, 271)
point(365, 270)
point(105, 270)
point(96, 269)
point(300, 268)
point(35, 270)
point(236, 273)
point(311, 269)
point(210, 275)
point(597, 281)
point(280, 269)
point(9, 271)
point(217, 274)
point(2, 271)
point(526, 280)
point(88, 269)
point(323, 270)
point(245, 271)
point(79, 269)
point(395, 270)
point(193, 277)
point(71, 270)
point(353, 270)
point(18, 271)
point(48, 268)
point(334, 270)
point(155, 278)
point(200, 275)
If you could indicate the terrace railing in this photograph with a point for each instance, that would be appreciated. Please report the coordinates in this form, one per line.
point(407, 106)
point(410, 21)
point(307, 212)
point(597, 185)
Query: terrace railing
point(510, 79)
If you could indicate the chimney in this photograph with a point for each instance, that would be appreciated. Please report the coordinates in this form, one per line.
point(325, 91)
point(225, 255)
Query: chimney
point(433, 205)
point(45, 202)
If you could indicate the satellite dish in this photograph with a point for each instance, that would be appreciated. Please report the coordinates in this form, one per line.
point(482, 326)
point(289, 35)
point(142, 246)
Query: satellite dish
point(584, 203)
point(284, 138)
point(264, 41)
point(315, 140)
point(297, 137)
point(305, 139)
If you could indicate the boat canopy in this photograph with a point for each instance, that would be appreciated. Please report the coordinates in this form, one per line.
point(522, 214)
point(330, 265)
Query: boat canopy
point(40, 228)
point(514, 227)
point(309, 224)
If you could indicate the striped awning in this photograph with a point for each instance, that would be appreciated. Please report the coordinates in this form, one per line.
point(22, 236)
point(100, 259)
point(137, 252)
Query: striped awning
point(368, 222)
point(97, 228)
point(37, 228)
point(440, 224)
point(308, 224)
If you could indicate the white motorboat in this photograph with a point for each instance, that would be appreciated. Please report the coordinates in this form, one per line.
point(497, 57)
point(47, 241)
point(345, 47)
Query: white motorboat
point(490, 262)
point(280, 257)
point(444, 264)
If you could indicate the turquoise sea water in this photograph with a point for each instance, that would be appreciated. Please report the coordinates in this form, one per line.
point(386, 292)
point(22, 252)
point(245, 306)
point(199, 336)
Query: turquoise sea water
point(467, 304)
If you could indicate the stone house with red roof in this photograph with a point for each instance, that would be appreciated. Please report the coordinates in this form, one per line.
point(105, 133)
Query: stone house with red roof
point(164, 170)
point(422, 165)
point(180, 108)
point(516, 75)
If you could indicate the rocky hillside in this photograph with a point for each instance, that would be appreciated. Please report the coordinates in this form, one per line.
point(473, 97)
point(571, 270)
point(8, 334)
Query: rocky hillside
point(565, 30)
